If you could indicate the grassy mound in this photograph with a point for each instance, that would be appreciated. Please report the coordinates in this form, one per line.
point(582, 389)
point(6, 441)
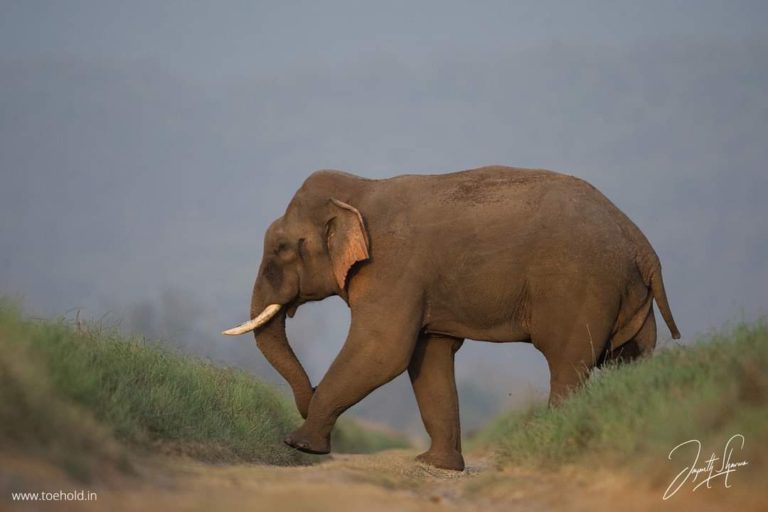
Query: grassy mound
point(78, 396)
point(708, 391)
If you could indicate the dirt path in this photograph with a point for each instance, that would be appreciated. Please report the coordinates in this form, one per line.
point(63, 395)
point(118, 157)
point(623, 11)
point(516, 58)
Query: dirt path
point(387, 481)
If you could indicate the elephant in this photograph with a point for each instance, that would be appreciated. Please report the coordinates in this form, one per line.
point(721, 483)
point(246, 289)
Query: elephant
point(496, 254)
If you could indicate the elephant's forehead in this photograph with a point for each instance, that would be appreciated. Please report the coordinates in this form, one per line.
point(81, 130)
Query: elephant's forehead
point(281, 228)
point(276, 229)
point(301, 205)
point(301, 212)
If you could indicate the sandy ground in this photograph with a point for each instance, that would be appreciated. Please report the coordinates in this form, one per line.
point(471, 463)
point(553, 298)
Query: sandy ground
point(387, 481)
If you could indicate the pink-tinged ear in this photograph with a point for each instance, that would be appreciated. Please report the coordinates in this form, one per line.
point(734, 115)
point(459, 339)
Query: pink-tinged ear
point(347, 240)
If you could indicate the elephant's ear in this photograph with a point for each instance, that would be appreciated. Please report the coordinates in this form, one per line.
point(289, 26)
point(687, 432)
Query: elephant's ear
point(347, 240)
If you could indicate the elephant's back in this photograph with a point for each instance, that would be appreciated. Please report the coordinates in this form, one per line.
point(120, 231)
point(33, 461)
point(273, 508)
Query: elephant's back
point(526, 213)
point(497, 198)
point(479, 187)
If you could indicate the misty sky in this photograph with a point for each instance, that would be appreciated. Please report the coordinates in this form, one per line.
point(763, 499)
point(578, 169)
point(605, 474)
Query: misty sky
point(146, 146)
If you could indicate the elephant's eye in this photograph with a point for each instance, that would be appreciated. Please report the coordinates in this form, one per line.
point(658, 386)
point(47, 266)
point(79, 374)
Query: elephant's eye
point(282, 247)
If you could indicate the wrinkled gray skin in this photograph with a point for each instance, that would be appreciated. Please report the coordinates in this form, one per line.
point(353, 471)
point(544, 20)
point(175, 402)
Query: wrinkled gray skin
point(495, 254)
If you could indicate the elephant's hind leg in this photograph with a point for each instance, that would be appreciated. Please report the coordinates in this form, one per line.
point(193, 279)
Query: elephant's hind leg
point(572, 345)
point(432, 376)
point(641, 345)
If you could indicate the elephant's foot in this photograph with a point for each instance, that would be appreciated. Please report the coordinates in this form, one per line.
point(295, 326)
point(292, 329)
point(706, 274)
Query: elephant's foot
point(308, 442)
point(445, 459)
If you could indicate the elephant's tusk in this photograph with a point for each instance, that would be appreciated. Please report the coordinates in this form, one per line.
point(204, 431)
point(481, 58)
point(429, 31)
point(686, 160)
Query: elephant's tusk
point(263, 317)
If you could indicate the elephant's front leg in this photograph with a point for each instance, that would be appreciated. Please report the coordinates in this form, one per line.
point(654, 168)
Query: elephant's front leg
point(432, 376)
point(378, 349)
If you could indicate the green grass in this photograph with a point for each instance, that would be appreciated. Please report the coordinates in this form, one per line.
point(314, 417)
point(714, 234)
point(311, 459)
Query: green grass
point(707, 391)
point(82, 396)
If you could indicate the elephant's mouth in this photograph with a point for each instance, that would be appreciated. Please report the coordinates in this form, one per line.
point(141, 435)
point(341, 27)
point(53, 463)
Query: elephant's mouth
point(291, 307)
point(301, 299)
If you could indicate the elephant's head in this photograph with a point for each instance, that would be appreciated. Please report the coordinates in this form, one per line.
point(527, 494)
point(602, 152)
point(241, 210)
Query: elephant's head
point(308, 253)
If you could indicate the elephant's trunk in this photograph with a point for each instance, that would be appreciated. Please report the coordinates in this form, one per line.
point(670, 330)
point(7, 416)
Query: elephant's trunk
point(273, 343)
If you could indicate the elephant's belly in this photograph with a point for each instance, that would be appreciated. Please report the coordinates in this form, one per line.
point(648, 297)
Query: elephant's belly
point(503, 330)
point(487, 305)
point(499, 335)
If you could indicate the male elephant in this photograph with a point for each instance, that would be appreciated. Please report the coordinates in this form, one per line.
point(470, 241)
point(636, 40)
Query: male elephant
point(495, 254)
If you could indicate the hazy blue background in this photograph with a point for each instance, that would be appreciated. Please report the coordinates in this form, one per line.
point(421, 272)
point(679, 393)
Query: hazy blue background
point(145, 147)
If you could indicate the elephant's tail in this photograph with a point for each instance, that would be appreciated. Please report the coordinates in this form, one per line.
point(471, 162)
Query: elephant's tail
point(657, 288)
